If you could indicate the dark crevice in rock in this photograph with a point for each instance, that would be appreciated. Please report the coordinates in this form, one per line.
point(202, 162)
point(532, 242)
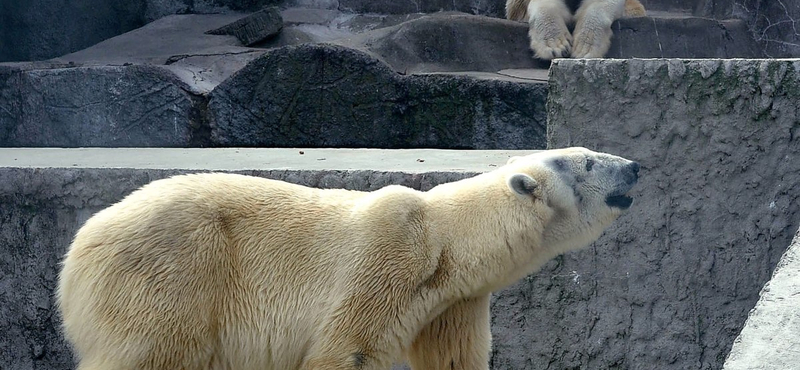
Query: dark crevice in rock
point(200, 129)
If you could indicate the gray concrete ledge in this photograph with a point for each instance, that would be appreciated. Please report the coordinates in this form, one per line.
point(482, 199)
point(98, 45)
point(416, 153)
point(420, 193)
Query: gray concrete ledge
point(770, 338)
point(233, 159)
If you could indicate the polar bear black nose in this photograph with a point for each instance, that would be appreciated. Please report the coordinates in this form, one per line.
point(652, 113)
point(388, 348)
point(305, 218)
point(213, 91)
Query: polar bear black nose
point(635, 168)
point(631, 172)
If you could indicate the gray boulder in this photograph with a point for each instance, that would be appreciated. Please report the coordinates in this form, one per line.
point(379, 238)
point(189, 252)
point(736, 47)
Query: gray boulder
point(253, 28)
point(449, 42)
point(333, 96)
point(97, 106)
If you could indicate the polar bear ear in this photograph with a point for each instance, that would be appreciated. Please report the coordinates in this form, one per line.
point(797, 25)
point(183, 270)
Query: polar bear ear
point(522, 184)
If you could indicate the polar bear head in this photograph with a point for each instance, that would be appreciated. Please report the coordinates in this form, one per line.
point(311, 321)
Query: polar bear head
point(571, 194)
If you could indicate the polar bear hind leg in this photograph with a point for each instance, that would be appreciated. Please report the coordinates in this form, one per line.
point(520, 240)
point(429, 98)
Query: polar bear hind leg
point(593, 27)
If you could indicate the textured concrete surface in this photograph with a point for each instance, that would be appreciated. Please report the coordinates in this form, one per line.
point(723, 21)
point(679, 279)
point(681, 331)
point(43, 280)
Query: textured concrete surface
point(47, 194)
point(449, 42)
point(43, 29)
point(333, 96)
point(682, 37)
point(670, 285)
point(233, 159)
point(769, 339)
point(97, 106)
point(774, 24)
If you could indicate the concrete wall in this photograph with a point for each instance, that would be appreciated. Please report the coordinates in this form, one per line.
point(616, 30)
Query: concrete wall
point(769, 339)
point(773, 23)
point(670, 285)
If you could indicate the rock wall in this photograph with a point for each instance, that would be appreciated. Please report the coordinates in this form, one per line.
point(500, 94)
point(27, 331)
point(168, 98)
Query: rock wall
point(773, 23)
point(119, 106)
point(332, 96)
point(670, 285)
point(41, 29)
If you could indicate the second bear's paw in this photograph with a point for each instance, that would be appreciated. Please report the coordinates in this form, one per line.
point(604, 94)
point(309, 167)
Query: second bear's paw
point(549, 37)
point(592, 37)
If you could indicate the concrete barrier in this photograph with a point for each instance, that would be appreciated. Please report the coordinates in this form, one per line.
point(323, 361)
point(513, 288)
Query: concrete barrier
point(769, 339)
point(670, 285)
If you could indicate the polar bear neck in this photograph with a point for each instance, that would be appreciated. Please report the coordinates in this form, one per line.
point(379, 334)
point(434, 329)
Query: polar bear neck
point(478, 227)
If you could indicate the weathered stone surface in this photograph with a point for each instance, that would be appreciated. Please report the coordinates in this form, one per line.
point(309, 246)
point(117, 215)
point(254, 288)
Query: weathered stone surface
point(97, 106)
point(163, 42)
point(332, 96)
point(774, 24)
point(42, 208)
point(495, 8)
point(669, 286)
point(682, 37)
point(769, 339)
point(462, 42)
point(200, 60)
point(41, 29)
point(160, 8)
point(450, 42)
point(670, 5)
point(253, 28)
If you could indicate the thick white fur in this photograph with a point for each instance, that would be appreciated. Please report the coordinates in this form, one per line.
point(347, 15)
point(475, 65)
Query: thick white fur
point(549, 19)
point(223, 271)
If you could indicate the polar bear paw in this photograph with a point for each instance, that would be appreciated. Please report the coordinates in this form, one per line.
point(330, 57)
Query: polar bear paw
point(549, 35)
point(592, 36)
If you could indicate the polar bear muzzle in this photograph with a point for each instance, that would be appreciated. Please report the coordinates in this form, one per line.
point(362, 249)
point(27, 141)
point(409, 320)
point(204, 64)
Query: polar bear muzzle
point(628, 176)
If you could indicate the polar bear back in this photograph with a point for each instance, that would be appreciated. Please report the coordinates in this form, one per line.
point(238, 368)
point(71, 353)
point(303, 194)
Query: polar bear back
point(257, 263)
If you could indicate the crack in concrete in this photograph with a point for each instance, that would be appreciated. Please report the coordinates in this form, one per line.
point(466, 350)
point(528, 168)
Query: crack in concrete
point(658, 39)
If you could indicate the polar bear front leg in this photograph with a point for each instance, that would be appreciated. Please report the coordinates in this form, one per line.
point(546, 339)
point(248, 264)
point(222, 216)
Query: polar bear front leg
point(459, 338)
point(548, 32)
point(593, 27)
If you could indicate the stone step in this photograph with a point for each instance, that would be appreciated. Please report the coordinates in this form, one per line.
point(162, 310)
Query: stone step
point(436, 81)
point(35, 33)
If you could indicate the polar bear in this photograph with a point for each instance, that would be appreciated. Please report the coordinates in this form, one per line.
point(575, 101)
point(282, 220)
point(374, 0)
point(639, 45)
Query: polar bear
point(548, 20)
point(226, 271)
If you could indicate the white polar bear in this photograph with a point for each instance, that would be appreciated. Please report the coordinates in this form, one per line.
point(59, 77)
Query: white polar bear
point(548, 21)
point(224, 271)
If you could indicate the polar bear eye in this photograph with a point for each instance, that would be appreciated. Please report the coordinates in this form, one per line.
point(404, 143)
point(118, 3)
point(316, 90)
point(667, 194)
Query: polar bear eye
point(560, 165)
point(589, 164)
